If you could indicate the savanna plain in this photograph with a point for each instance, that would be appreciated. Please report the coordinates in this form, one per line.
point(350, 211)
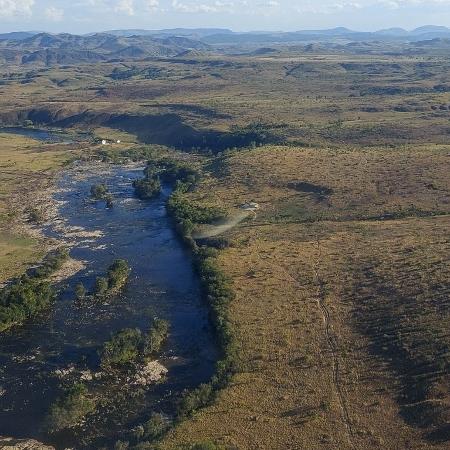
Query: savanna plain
point(320, 199)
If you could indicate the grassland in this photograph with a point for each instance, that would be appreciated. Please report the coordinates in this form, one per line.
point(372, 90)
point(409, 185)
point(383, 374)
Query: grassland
point(26, 167)
point(312, 99)
point(341, 319)
point(341, 278)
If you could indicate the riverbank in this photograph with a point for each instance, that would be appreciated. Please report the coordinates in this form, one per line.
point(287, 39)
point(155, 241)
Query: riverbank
point(29, 173)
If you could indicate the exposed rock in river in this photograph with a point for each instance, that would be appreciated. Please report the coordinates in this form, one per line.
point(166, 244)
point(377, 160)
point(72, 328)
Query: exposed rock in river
point(150, 373)
point(22, 444)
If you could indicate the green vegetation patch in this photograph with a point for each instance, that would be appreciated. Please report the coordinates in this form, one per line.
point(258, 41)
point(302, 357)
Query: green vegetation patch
point(23, 299)
point(122, 349)
point(30, 294)
point(147, 188)
point(99, 191)
point(70, 409)
point(130, 345)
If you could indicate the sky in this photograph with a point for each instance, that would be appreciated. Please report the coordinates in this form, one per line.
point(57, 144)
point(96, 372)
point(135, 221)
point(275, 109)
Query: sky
point(83, 16)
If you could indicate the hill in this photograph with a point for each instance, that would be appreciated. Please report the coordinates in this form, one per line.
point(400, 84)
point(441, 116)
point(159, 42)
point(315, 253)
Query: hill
point(50, 49)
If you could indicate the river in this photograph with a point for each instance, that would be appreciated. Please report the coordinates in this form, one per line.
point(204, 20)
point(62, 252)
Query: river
point(69, 336)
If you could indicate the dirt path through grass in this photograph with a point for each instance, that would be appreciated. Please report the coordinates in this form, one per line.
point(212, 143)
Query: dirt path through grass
point(333, 347)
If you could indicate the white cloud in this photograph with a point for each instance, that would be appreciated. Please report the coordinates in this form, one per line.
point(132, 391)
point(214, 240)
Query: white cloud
point(195, 7)
point(151, 5)
point(331, 7)
point(54, 14)
point(14, 8)
point(125, 6)
point(270, 4)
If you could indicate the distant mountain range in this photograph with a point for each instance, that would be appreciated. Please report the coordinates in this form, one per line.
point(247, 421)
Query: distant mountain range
point(31, 47)
point(196, 33)
point(334, 34)
point(216, 34)
point(49, 49)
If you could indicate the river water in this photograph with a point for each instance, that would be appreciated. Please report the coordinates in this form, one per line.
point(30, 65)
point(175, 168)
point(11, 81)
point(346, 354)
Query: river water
point(70, 335)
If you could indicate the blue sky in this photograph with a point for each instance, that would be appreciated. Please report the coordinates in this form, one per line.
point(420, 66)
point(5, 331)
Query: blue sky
point(81, 16)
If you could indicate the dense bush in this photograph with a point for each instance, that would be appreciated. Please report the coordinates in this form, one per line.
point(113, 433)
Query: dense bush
point(100, 286)
point(155, 427)
point(147, 188)
point(119, 155)
point(23, 299)
point(70, 409)
point(129, 346)
point(29, 294)
point(80, 291)
point(218, 293)
point(156, 336)
point(122, 349)
point(118, 273)
point(205, 446)
point(116, 277)
point(196, 399)
point(188, 213)
point(121, 445)
point(99, 191)
point(174, 171)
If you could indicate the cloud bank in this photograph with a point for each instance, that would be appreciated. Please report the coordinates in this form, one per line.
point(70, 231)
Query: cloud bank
point(95, 15)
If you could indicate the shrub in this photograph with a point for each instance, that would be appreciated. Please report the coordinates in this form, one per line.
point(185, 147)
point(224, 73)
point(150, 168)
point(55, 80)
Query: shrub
point(52, 262)
point(36, 215)
point(196, 399)
point(68, 410)
point(122, 349)
point(156, 336)
point(118, 273)
point(109, 201)
point(147, 188)
point(101, 286)
point(155, 427)
point(99, 191)
point(23, 299)
point(80, 291)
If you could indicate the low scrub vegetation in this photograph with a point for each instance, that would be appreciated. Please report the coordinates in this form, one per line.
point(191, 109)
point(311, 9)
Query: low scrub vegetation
point(130, 346)
point(216, 287)
point(23, 299)
point(105, 286)
point(124, 348)
point(99, 191)
point(70, 409)
point(117, 274)
point(52, 262)
point(30, 294)
point(147, 188)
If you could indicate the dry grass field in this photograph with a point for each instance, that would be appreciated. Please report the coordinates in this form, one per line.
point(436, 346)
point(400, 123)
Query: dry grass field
point(342, 307)
point(313, 99)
